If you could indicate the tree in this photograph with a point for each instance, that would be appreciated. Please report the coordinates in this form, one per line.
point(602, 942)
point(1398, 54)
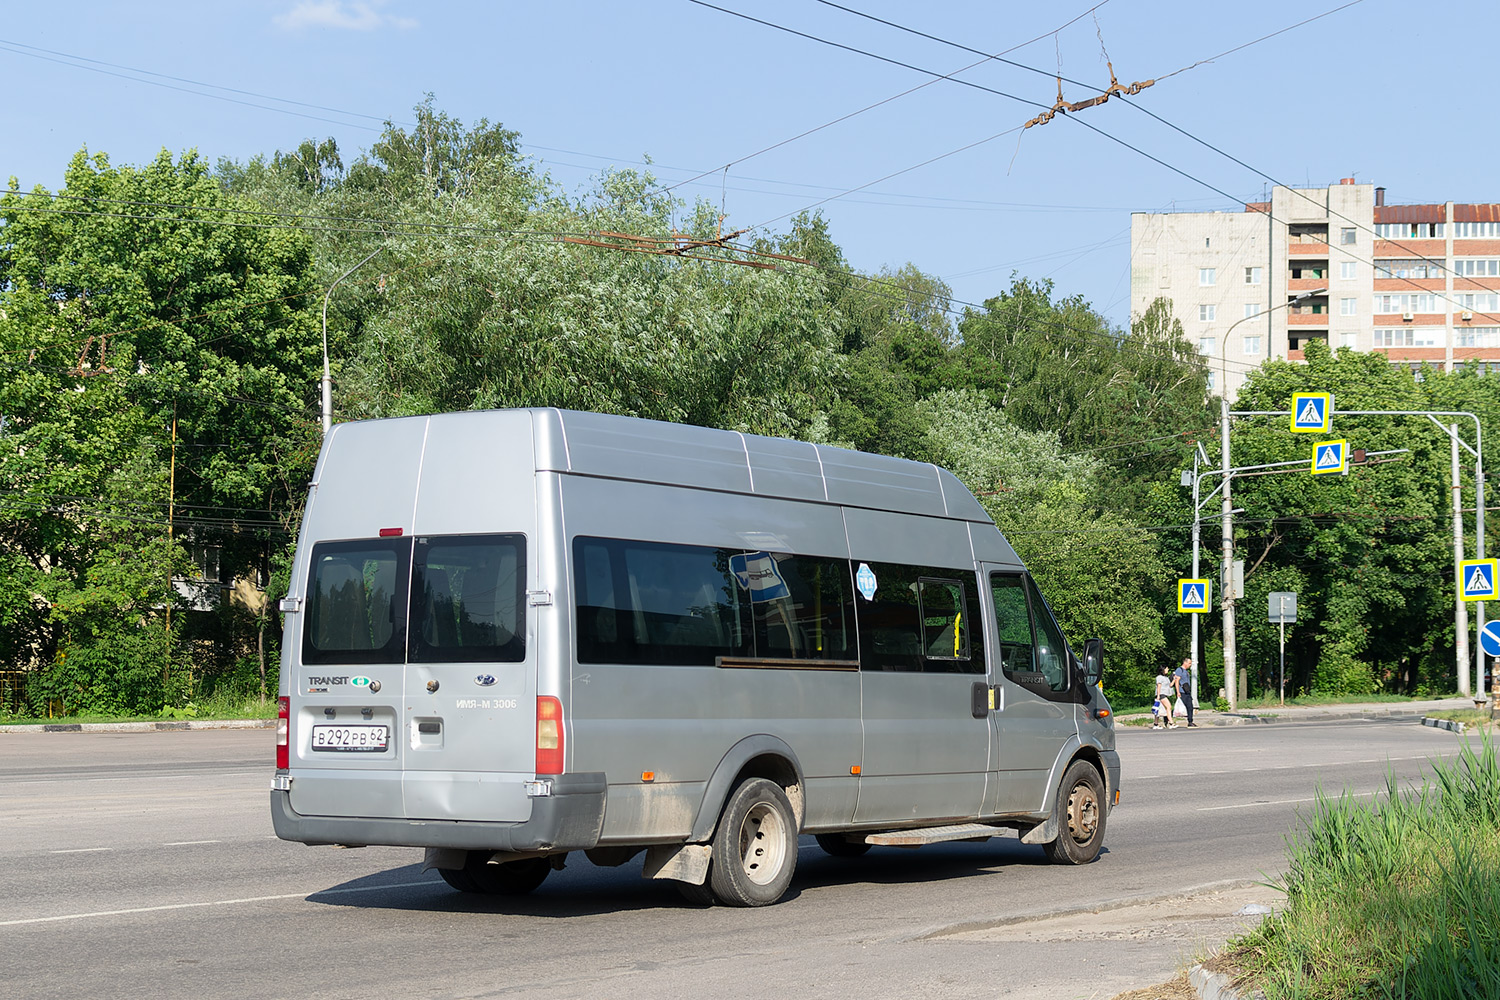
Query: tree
point(163, 356)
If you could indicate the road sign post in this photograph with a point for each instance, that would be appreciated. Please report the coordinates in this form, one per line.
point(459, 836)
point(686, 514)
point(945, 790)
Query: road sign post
point(1282, 609)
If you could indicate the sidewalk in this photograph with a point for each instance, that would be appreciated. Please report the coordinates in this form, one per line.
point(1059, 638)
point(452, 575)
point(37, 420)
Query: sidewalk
point(139, 727)
point(1316, 713)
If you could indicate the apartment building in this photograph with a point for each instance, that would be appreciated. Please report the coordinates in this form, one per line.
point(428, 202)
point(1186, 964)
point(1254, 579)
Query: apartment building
point(1419, 283)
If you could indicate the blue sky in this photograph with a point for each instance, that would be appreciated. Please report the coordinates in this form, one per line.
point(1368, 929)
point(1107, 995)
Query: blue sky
point(1378, 91)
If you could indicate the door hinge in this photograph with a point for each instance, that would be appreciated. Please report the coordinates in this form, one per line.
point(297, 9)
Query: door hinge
point(537, 598)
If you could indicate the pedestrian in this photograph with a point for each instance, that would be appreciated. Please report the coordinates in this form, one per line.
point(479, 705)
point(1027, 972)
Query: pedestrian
point(1182, 680)
point(1161, 708)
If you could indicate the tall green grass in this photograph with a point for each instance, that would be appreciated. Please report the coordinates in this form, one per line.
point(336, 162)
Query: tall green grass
point(1399, 897)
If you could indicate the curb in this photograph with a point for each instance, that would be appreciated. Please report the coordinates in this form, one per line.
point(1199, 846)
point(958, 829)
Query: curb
point(1215, 986)
point(141, 727)
point(1448, 724)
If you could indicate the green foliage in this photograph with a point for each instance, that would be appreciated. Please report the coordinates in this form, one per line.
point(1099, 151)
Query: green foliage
point(1395, 898)
point(156, 363)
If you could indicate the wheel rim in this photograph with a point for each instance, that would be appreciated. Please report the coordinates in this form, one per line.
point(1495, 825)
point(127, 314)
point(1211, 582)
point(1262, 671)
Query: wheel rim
point(762, 843)
point(1083, 813)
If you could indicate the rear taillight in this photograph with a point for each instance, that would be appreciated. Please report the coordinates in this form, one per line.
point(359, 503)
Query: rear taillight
point(283, 733)
point(549, 735)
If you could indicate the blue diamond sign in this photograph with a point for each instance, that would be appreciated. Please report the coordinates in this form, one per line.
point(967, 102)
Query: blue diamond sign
point(1312, 412)
point(1192, 596)
point(1330, 456)
point(1476, 579)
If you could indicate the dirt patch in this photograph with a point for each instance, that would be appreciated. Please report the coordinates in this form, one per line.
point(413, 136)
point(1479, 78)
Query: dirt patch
point(1174, 989)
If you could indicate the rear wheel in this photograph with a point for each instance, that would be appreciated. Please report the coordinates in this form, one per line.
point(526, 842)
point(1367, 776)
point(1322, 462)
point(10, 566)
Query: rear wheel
point(836, 845)
point(755, 846)
point(512, 878)
point(1080, 812)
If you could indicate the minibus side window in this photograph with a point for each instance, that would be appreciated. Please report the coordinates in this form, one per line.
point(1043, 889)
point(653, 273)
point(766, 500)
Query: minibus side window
point(1051, 649)
point(919, 618)
point(468, 596)
point(1034, 657)
point(356, 602)
point(656, 603)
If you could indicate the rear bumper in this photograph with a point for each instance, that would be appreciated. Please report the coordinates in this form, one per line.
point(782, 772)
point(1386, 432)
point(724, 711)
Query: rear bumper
point(569, 819)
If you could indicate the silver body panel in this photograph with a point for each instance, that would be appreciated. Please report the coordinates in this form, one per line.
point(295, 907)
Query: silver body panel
point(870, 749)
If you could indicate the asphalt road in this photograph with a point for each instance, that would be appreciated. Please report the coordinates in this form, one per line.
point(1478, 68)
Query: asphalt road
point(144, 865)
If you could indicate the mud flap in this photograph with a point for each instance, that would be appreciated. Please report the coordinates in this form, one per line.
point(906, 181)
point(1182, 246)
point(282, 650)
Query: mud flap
point(683, 862)
point(1043, 833)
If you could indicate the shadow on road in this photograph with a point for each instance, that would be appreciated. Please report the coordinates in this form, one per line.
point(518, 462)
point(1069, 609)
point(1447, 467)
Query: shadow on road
point(585, 889)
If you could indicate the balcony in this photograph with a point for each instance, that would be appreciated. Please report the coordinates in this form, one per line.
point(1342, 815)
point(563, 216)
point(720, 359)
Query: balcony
point(1307, 249)
point(1306, 284)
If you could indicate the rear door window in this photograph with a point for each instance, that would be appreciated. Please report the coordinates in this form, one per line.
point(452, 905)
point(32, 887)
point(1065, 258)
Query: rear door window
point(356, 602)
point(468, 592)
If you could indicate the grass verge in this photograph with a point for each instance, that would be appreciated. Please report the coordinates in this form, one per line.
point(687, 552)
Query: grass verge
point(1394, 898)
point(229, 705)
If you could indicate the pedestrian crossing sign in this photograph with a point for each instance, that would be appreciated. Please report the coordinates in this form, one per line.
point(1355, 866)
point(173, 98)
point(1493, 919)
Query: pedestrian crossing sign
point(1192, 596)
point(1476, 579)
point(1330, 456)
point(1312, 412)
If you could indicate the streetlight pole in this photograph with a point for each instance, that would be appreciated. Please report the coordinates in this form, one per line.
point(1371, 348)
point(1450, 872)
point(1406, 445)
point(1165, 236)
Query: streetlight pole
point(1226, 593)
point(328, 378)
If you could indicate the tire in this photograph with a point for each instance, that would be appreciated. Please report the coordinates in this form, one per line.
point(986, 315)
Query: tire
point(1080, 812)
point(837, 846)
point(513, 878)
point(755, 846)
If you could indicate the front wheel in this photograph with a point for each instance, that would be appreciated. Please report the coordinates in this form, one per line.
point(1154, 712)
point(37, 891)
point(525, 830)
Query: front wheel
point(513, 878)
point(755, 846)
point(1080, 813)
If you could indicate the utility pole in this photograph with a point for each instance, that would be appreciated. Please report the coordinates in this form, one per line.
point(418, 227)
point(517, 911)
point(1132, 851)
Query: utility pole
point(1461, 610)
point(1231, 676)
point(166, 667)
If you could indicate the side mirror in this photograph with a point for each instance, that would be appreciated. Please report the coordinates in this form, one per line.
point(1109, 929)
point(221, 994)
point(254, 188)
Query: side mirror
point(1093, 660)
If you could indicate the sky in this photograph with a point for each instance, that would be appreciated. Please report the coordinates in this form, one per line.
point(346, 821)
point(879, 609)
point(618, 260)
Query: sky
point(940, 176)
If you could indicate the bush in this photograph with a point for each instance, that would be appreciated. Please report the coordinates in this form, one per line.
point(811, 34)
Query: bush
point(118, 673)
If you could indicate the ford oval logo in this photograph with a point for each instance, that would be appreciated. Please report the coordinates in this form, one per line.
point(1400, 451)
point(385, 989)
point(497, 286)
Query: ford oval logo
point(484, 680)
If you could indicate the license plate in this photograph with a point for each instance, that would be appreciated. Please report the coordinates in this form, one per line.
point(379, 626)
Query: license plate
point(350, 739)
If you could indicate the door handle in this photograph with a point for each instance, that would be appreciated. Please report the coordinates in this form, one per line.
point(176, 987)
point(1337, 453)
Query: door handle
point(981, 699)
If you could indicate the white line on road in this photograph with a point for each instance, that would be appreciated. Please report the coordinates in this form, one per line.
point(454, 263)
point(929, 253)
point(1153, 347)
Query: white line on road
point(1278, 802)
point(82, 850)
point(191, 843)
point(215, 902)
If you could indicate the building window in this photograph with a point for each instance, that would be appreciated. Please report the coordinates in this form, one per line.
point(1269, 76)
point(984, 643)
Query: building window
point(1346, 307)
point(1252, 275)
point(1206, 346)
point(1252, 344)
point(1393, 336)
point(1213, 381)
point(1488, 302)
point(1477, 336)
point(1423, 230)
point(1346, 235)
point(1205, 276)
point(1347, 270)
point(1207, 313)
point(1476, 267)
point(1476, 230)
point(1409, 268)
point(1309, 270)
point(1427, 336)
point(1388, 304)
point(1252, 309)
point(1350, 340)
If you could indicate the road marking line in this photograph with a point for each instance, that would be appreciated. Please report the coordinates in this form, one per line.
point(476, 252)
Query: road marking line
point(1281, 802)
point(82, 850)
point(190, 843)
point(215, 902)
